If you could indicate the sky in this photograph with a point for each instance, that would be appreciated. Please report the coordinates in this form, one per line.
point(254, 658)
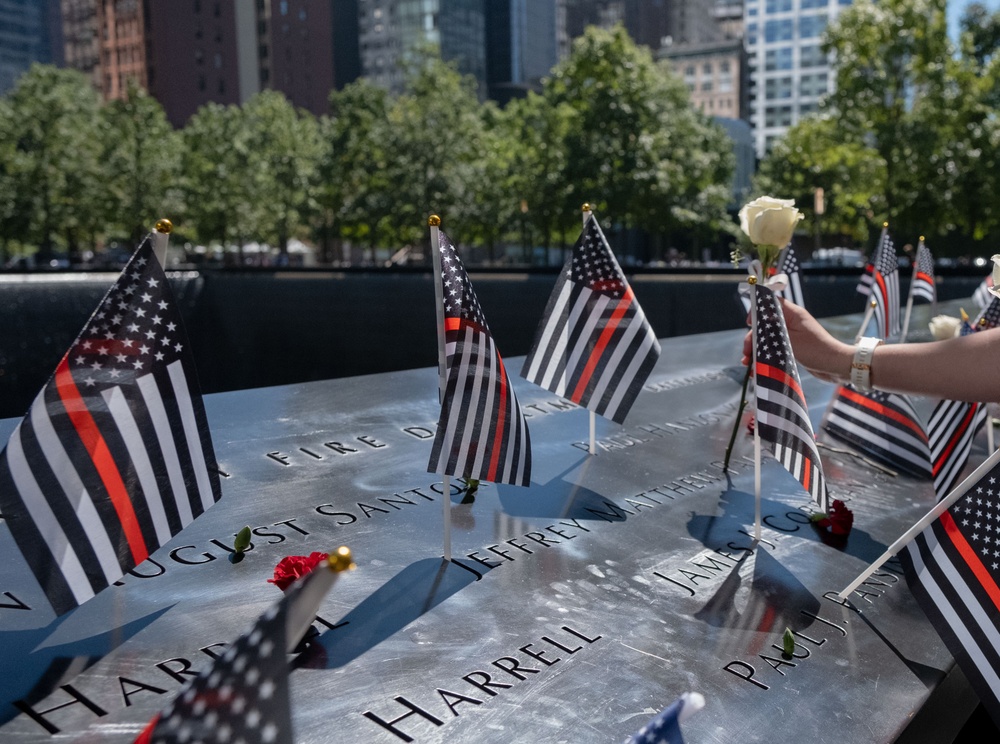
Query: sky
point(955, 8)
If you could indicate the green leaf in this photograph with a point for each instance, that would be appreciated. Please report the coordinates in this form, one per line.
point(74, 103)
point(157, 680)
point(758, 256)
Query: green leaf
point(242, 541)
point(788, 642)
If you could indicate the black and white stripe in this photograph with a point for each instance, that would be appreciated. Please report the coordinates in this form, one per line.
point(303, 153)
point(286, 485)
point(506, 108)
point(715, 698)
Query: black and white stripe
point(923, 284)
point(594, 345)
point(951, 428)
point(114, 456)
point(885, 288)
point(481, 431)
point(952, 568)
point(883, 425)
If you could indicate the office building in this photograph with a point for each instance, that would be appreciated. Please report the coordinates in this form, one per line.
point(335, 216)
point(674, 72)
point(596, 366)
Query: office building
point(29, 32)
point(522, 45)
point(789, 71)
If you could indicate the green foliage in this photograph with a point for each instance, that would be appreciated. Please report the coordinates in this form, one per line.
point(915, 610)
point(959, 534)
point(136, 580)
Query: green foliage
point(51, 160)
point(815, 153)
point(141, 154)
point(611, 127)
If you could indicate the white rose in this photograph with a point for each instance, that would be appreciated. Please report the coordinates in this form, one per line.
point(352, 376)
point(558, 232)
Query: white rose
point(770, 221)
point(995, 289)
point(944, 326)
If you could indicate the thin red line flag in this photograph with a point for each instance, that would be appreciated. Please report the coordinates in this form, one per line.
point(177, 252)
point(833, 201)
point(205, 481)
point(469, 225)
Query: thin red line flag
point(594, 345)
point(114, 457)
point(782, 414)
point(481, 433)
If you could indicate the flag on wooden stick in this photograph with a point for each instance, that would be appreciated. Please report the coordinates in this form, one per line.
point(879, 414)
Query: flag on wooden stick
point(481, 432)
point(922, 285)
point(885, 288)
point(114, 457)
point(883, 425)
point(594, 345)
point(950, 431)
point(788, 265)
point(953, 569)
point(782, 414)
point(243, 696)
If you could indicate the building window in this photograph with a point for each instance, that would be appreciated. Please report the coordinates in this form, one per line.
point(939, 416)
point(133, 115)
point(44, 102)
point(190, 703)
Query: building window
point(778, 88)
point(778, 30)
point(778, 59)
point(812, 56)
point(778, 116)
point(778, 6)
point(811, 26)
point(813, 3)
point(706, 68)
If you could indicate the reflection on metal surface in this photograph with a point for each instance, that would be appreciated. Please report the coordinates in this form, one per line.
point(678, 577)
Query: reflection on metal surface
point(574, 609)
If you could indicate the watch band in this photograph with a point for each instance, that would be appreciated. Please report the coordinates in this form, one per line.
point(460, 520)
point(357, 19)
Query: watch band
point(861, 367)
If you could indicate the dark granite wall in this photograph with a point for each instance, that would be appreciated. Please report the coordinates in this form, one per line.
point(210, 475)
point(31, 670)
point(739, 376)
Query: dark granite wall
point(257, 328)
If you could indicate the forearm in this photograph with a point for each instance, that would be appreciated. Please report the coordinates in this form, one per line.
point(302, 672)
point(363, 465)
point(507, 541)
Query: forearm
point(966, 368)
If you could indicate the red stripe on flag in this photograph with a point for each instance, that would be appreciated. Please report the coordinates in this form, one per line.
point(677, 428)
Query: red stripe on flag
point(926, 277)
point(880, 280)
point(968, 554)
point(806, 473)
point(775, 373)
point(595, 356)
point(498, 435)
point(954, 440)
point(452, 324)
point(100, 455)
point(883, 411)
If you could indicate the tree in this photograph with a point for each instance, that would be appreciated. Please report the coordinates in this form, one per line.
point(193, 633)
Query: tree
point(815, 154)
point(218, 193)
point(634, 143)
point(283, 147)
point(351, 189)
point(141, 156)
point(51, 159)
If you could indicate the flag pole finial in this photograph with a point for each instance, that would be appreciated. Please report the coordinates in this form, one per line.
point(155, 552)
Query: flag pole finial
point(586, 207)
point(341, 560)
point(163, 225)
point(874, 304)
point(885, 224)
point(433, 221)
point(751, 280)
point(921, 238)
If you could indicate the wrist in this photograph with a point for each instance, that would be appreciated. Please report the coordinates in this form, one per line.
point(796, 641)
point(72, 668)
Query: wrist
point(861, 363)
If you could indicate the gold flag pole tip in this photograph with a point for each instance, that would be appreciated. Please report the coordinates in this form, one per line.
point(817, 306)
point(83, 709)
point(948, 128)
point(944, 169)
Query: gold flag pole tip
point(434, 221)
point(341, 560)
point(164, 226)
point(586, 207)
point(885, 224)
point(751, 279)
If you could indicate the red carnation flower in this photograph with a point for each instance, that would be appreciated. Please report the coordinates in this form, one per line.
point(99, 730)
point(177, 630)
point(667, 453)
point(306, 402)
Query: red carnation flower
point(839, 520)
point(293, 567)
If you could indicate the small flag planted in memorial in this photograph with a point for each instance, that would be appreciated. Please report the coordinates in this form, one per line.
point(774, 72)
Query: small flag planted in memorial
point(883, 425)
point(953, 570)
point(665, 726)
point(788, 265)
point(950, 431)
point(114, 457)
point(885, 288)
point(982, 295)
point(782, 414)
point(481, 433)
point(594, 345)
point(989, 317)
point(923, 275)
point(243, 696)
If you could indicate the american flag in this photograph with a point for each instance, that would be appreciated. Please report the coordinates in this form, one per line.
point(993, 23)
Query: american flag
point(885, 288)
point(989, 317)
point(243, 696)
point(982, 295)
point(788, 264)
point(665, 726)
point(864, 287)
point(922, 284)
point(782, 414)
point(594, 345)
point(883, 425)
point(950, 431)
point(953, 569)
point(114, 456)
point(481, 433)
